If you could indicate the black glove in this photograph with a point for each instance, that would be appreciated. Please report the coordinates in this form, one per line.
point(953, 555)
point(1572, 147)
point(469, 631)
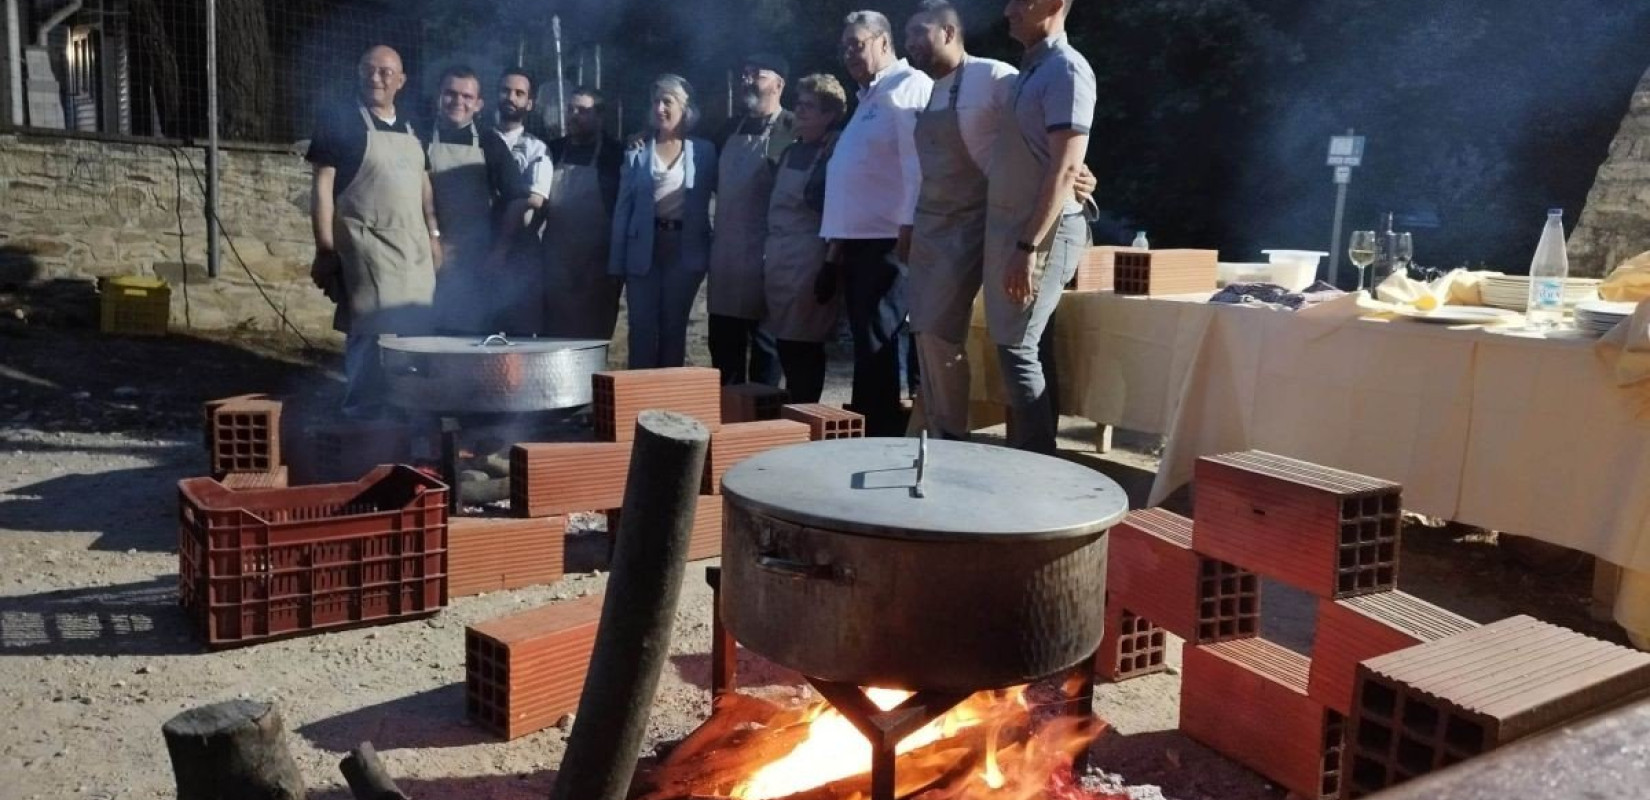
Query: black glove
point(825, 283)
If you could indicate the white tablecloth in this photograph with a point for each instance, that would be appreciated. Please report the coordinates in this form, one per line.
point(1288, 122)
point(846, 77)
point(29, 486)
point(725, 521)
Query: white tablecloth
point(1514, 434)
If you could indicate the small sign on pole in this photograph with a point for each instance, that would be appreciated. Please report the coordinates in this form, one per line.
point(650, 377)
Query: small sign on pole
point(1345, 152)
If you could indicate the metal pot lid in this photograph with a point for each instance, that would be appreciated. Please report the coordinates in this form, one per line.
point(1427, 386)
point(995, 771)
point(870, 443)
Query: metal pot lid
point(966, 491)
point(490, 345)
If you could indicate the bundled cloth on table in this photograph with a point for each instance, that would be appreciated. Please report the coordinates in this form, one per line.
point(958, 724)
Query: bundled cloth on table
point(1271, 295)
point(1630, 283)
point(1457, 287)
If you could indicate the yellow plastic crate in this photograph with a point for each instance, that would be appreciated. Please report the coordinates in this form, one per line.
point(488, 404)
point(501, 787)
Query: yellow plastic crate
point(134, 306)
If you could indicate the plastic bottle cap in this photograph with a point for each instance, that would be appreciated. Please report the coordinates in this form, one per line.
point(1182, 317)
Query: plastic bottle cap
point(1555, 212)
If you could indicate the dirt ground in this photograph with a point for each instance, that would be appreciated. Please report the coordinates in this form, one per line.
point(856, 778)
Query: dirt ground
point(95, 654)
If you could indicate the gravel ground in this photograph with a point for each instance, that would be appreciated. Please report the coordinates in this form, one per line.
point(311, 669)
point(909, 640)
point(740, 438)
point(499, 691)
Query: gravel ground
point(95, 654)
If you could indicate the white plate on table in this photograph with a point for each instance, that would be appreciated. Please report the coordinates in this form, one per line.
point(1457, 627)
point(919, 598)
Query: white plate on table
point(1459, 315)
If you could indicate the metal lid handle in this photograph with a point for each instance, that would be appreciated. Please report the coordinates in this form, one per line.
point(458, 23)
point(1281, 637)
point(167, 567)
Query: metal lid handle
point(497, 338)
point(922, 463)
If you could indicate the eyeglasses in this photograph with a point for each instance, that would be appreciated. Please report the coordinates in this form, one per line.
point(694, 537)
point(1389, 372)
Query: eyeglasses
point(369, 71)
point(856, 46)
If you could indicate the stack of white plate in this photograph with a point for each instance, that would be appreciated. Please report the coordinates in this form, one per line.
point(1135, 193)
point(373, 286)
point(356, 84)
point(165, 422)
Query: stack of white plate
point(1599, 316)
point(1513, 291)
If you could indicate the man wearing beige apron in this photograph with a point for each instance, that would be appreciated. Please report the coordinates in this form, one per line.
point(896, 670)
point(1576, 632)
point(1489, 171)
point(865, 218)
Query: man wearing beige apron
point(376, 245)
point(1035, 230)
point(749, 149)
point(575, 188)
point(799, 319)
point(480, 202)
point(955, 135)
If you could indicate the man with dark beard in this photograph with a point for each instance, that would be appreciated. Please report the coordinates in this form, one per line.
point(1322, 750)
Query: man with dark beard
point(574, 188)
point(749, 148)
point(515, 103)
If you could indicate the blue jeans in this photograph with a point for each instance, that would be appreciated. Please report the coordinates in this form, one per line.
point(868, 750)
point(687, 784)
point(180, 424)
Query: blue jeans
point(364, 386)
point(658, 305)
point(1028, 365)
point(874, 287)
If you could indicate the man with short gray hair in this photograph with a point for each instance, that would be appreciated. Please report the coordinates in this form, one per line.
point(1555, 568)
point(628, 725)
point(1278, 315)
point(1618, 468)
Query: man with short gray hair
point(870, 192)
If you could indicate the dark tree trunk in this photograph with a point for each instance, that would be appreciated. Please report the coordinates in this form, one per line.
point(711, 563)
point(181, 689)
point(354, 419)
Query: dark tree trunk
point(366, 776)
point(246, 71)
point(232, 751)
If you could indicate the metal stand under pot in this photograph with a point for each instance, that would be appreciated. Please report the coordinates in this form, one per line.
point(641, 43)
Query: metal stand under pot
point(942, 569)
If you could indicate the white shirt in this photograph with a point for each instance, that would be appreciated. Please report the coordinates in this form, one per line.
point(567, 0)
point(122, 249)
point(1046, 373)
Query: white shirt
point(541, 176)
point(524, 146)
point(987, 89)
point(872, 179)
point(669, 186)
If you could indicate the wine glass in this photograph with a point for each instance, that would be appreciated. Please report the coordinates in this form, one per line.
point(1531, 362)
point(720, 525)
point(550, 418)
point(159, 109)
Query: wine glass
point(1403, 253)
point(1362, 253)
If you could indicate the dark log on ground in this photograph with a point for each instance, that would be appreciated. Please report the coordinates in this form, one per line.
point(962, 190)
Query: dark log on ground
point(366, 776)
point(232, 751)
point(633, 641)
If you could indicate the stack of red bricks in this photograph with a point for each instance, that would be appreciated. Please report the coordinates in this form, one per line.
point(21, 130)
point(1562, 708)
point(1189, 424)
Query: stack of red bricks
point(1395, 686)
point(243, 442)
point(1327, 532)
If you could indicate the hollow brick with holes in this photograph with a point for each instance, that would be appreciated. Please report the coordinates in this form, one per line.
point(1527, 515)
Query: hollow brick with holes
point(1163, 272)
point(826, 422)
point(346, 450)
point(1247, 700)
point(1132, 646)
point(524, 671)
point(1331, 533)
point(567, 477)
point(1359, 628)
point(245, 436)
point(621, 396)
point(1427, 707)
point(752, 402)
point(491, 555)
point(738, 441)
point(1153, 572)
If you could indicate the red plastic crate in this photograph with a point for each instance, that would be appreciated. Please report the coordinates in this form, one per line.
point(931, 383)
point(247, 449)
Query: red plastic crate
point(752, 402)
point(620, 397)
point(244, 436)
point(1360, 628)
point(1247, 700)
point(1321, 530)
point(255, 565)
point(524, 671)
point(243, 481)
point(826, 422)
point(737, 441)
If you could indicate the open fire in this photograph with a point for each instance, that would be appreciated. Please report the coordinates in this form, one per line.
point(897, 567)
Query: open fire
point(993, 746)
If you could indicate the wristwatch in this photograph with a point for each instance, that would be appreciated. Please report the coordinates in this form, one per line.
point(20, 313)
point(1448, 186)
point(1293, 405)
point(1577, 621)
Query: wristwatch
point(1025, 247)
point(435, 234)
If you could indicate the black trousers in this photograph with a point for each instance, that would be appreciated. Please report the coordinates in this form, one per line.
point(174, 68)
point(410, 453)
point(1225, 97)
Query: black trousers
point(804, 366)
point(731, 339)
point(874, 289)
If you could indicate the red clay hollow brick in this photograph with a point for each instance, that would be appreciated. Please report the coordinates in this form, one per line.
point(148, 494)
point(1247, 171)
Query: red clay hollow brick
point(1427, 707)
point(738, 441)
point(1132, 646)
point(524, 671)
point(1153, 572)
point(1163, 272)
point(622, 396)
point(567, 477)
point(704, 541)
point(246, 436)
point(490, 555)
point(1360, 628)
point(826, 422)
point(1247, 700)
point(346, 450)
point(1331, 533)
point(752, 402)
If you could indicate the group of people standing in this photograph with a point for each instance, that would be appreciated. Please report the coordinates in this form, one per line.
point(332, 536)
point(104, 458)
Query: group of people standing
point(953, 176)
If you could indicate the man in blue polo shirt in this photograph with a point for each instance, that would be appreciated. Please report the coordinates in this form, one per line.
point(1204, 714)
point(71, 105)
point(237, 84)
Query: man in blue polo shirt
point(1035, 231)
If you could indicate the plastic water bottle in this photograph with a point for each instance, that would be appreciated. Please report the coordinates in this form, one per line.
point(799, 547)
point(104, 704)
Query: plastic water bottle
point(1140, 242)
point(1549, 271)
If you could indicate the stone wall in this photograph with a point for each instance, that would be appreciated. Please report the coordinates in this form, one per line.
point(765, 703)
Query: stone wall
point(1615, 225)
point(82, 208)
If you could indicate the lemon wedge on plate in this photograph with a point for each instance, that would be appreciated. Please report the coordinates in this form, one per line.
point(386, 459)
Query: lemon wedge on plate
point(1426, 302)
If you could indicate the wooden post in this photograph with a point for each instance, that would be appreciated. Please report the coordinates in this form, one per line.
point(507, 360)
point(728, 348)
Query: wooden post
point(366, 776)
point(724, 650)
point(633, 641)
point(232, 751)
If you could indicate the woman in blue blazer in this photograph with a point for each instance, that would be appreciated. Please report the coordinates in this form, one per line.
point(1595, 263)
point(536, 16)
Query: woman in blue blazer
point(661, 227)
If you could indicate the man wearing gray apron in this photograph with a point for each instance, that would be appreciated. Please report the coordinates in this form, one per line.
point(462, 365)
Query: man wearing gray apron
point(748, 149)
point(955, 135)
point(575, 188)
point(480, 201)
point(376, 246)
point(1035, 232)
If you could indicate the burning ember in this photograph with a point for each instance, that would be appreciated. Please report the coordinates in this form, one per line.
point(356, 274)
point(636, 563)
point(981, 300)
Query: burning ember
point(992, 746)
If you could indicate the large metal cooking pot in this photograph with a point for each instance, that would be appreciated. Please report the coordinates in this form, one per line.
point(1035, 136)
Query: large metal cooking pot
point(457, 374)
point(859, 561)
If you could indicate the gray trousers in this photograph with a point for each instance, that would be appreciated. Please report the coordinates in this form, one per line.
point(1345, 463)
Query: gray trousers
point(944, 386)
point(1032, 421)
point(364, 385)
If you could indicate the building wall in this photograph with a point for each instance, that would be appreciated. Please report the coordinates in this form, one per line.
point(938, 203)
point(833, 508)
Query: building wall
point(1615, 225)
point(82, 208)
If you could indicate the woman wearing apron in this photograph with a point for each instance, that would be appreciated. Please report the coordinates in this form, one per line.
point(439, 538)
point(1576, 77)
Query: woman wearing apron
point(661, 228)
point(794, 253)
